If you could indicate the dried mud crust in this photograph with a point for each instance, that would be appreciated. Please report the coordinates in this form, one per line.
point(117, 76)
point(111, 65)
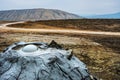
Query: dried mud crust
point(48, 61)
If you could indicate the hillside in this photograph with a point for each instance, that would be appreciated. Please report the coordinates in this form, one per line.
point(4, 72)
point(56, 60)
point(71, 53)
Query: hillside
point(35, 14)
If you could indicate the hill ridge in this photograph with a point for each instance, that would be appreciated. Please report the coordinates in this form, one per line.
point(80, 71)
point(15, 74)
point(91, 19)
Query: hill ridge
point(36, 14)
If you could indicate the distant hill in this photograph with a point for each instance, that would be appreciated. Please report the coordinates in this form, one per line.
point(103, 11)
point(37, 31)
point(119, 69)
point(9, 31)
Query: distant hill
point(36, 14)
point(109, 16)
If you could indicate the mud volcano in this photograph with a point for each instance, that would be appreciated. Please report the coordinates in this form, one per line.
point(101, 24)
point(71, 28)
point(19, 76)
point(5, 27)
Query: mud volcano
point(41, 61)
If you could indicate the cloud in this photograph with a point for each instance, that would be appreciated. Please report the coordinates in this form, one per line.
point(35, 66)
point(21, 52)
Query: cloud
point(85, 7)
point(90, 6)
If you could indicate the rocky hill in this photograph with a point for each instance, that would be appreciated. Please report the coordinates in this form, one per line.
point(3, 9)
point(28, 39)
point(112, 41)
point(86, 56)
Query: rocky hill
point(35, 14)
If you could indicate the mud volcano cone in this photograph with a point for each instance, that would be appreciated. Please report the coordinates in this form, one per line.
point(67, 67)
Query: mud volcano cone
point(39, 61)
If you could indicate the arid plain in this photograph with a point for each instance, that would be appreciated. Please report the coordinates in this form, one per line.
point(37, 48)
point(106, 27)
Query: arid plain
point(100, 52)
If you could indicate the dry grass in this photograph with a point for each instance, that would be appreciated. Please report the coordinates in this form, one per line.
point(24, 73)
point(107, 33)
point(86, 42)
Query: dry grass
point(100, 53)
point(2, 22)
point(82, 24)
point(99, 58)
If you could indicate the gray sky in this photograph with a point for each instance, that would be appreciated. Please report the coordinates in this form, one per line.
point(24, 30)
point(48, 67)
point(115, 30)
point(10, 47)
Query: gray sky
point(81, 7)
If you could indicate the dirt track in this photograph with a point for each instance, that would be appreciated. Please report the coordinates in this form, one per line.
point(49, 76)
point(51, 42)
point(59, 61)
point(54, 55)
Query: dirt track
point(4, 26)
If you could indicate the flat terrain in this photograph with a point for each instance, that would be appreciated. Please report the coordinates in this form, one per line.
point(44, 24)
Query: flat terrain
point(110, 25)
point(100, 52)
point(53, 29)
point(2, 22)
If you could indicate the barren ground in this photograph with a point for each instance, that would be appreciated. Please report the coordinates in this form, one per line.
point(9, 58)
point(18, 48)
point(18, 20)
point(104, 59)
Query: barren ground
point(95, 50)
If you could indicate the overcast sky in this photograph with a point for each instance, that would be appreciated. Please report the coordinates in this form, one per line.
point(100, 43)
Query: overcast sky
point(80, 7)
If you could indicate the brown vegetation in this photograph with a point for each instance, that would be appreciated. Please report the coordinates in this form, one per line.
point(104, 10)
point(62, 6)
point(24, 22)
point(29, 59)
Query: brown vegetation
point(2, 22)
point(99, 58)
point(100, 53)
point(82, 24)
